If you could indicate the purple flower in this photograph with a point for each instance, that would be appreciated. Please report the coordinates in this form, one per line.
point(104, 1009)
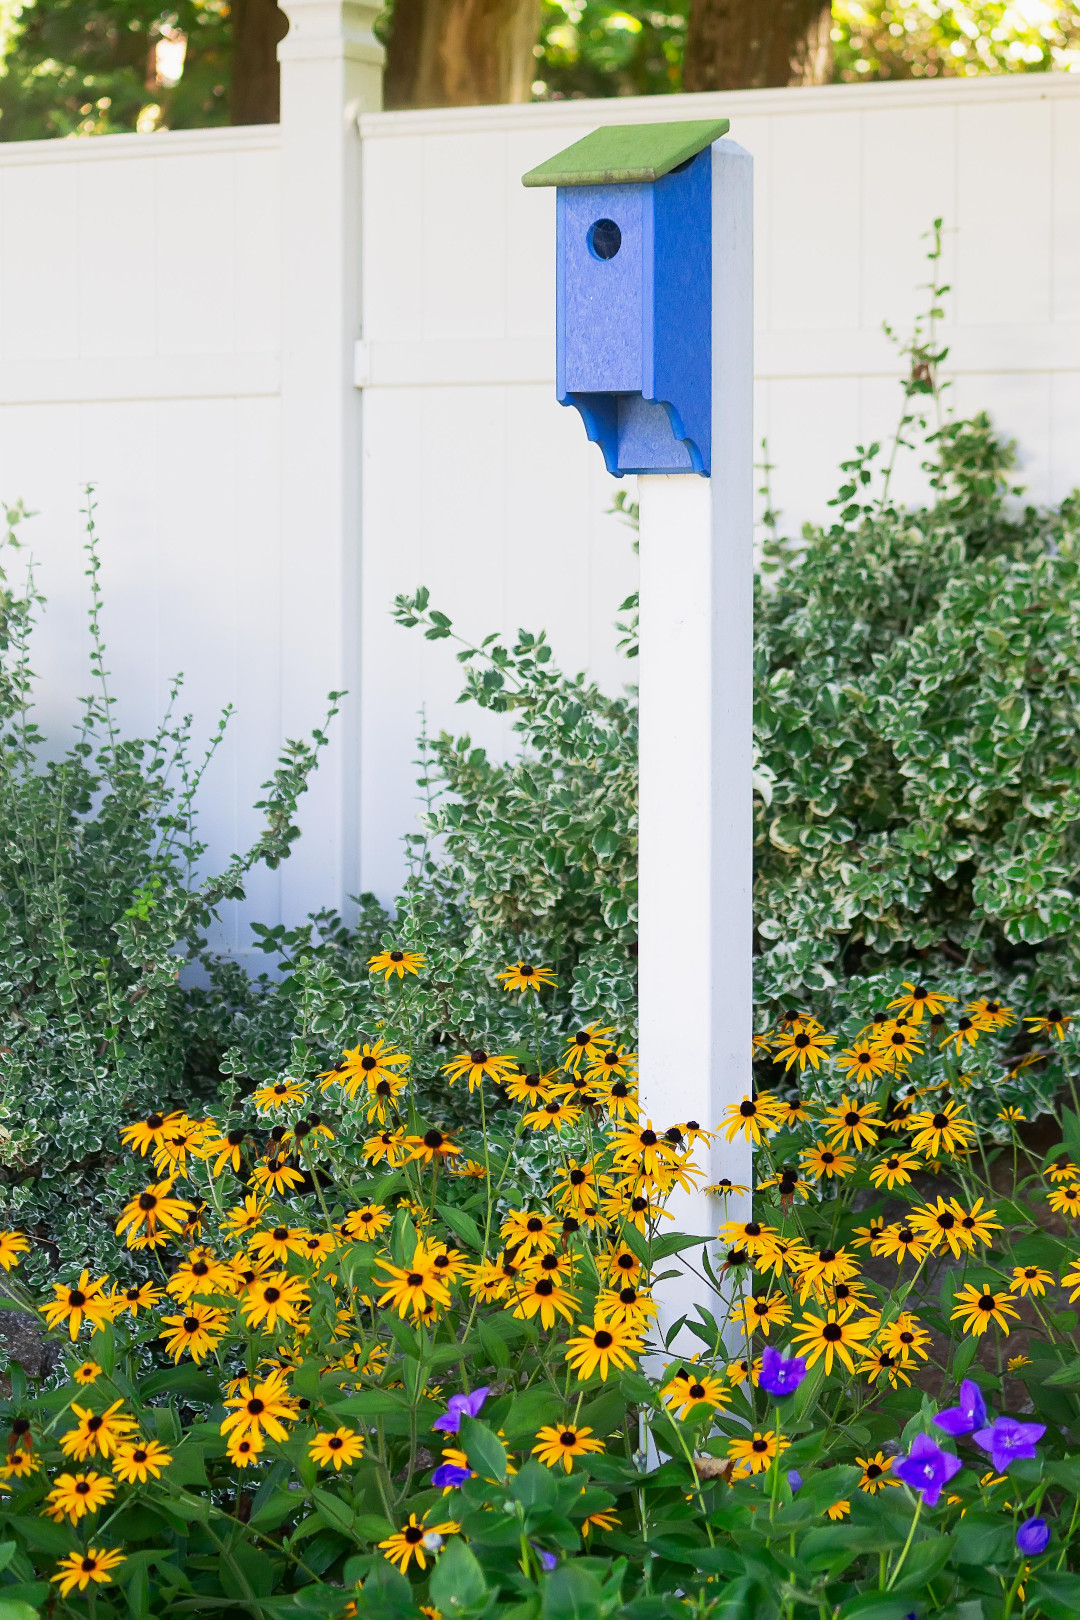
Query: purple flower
point(794, 1479)
point(968, 1416)
point(1033, 1537)
point(459, 1406)
point(927, 1468)
point(548, 1560)
point(450, 1474)
point(779, 1377)
point(1008, 1441)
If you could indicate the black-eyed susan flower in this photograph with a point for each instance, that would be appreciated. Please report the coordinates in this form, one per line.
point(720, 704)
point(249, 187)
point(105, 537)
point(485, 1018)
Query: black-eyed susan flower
point(606, 1519)
point(881, 1366)
point(336, 1449)
point(905, 1337)
point(688, 1387)
point(12, 1244)
point(196, 1331)
point(754, 1117)
point(802, 1046)
point(411, 1287)
point(1011, 1116)
point(828, 1336)
point(977, 1307)
point(243, 1450)
point(845, 1296)
point(556, 1113)
point(244, 1218)
point(852, 1124)
point(739, 1371)
point(765, 1311)
point(186, 1136)
point(200, 1272)
point(861, 1063)
point(475, 1064)
point(383, 1101)
point(447, 1263)
point(781, 1254)
point(226, 1150)
point(919, 1000)
point(138, 1461)
point(1063, 1172)
point(944, 1131)
point(278, 1243)
point(277, 1175)
point(600, 1347)
point(531, 1087)
point(273, 1299)
point(414, 1540)
point(793, 1111)
point(754, 1455)
point(366, 1223)
point(559, 1443)
point(75, 1495)
point(822, 1161)
point(1030, 1280)
point(617, 1062)
point(259, 1407)
point(1052, 1022)
point(621, 1264)
point(628, 1306)
point(896, 1044)
point(542, 1296)
point(400, 962)
point(149, 1132)
point(895, 1171)
point(1071, 1279)
point(620, 1098)
point(978, 1223)
point(587, 1045)
point(86, 1373)
point(488, 1281)
point(1065, 1201)
point(526, 1230)
point(388, 1145)
point(942, 1223)
point(967, 1032)
point(80, 1569)
point(838, 1510)
point(86, 1301)
point(901, 1240)
point(525, 976)
point(825, 1266)
point(19, 1465)
point(992, 1013)
point(749, 1235)
point(96, 1433)
point(866, 1236)
point(152, 1214)
point(433, 1147)
point(877, 1473)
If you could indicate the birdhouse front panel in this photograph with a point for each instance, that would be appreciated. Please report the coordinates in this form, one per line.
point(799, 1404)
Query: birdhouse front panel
point(602, 292)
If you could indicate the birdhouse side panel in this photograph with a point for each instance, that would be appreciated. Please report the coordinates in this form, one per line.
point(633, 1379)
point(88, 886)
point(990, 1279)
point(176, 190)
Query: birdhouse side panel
point(679, 365)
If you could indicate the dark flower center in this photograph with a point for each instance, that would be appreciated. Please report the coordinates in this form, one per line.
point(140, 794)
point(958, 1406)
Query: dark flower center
point(154, 1122)
point(397, 956)
point(940, 1121)
point(255, 1406)
point(832, 1331)
point(369, 1063)
point(987, 1302)
point(415, 1278)
point(191, 1324)
point(139, 1456)
point(802, 1040)
point(747, 1109)
point(335, 1442)
point(200, 1268)
point(852, 1118)
point(434, 1139)
point(697, 1391)
point(545, 1287)
point(759, 1446)
point(93, 1424)
point(82, 1488)
point(534, 1224)
point(413, 1534)
point(479, 1055)
point(603, 1340)
point(873, 1470)
point(147, 1200)
point(825, 1255)
point(76, 1299)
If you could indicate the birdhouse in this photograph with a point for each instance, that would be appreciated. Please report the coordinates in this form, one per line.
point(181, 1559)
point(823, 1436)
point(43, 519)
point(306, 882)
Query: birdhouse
point(634, 291)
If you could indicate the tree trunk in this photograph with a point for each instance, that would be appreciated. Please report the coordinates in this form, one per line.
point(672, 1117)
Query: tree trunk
point(461, 53)
point(257, 25)
point(748, 44)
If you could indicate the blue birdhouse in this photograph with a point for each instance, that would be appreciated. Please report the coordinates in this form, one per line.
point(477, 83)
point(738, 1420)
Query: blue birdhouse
point(634, 291)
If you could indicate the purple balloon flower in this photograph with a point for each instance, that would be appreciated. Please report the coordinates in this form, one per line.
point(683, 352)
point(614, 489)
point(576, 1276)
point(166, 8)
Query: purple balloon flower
point(547, 1560)
point(450, 1474)
point(459, 1406)
point(794, 1479)
point(1033, 1537)
point(968, 1416)
point(1008, 1441)
point(927, 1468)
point(779, 1377)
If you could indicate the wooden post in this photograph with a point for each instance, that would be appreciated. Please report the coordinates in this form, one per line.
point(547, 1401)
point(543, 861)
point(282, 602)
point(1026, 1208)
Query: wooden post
point(331, 71)
point(696, 839)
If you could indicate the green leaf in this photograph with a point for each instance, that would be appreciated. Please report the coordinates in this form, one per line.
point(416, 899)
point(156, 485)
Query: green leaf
point(531, 1410)
point(457, 1584)
point(338, 1514)
point(484, 1449)
point(463, 1227)
point(1055, 1593)
point(982, 1538)
point(571, 1593)
point(11, 1609)
point(370, 1403)
point(1067, 1377)
point(8, 1549)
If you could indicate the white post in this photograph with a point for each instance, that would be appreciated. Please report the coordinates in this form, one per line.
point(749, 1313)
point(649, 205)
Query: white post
point(331, 70)
point(696, 839)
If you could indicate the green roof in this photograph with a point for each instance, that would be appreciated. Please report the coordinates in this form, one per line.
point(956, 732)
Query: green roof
point(619, 153)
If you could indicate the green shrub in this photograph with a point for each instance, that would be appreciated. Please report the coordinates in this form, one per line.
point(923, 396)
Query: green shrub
point(100, 906)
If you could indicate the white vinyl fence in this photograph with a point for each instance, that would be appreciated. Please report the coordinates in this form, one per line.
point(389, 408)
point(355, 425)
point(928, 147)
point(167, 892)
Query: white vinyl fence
point(181, 317)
